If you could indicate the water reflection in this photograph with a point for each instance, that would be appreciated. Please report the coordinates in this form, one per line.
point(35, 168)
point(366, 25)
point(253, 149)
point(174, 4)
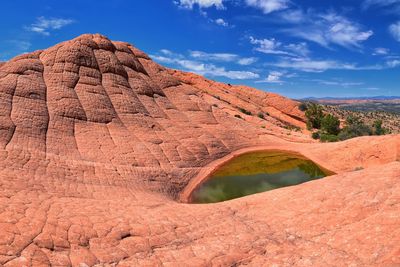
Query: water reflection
point(254, 173)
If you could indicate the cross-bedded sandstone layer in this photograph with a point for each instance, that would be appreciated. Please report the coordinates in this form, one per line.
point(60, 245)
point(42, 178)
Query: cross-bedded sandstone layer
point(97, 142)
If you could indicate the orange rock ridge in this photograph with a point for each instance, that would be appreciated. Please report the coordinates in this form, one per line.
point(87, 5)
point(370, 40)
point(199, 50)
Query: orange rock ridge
point(98, 143)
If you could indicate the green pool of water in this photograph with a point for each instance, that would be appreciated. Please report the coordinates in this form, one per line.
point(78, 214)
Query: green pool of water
point(254, 173)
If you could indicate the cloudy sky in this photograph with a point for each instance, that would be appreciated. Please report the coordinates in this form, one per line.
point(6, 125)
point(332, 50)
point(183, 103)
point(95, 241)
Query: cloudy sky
point(297, 48)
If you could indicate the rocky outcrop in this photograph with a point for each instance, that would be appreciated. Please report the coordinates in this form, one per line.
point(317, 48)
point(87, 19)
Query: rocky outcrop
point(98, 142)
point(254, 100)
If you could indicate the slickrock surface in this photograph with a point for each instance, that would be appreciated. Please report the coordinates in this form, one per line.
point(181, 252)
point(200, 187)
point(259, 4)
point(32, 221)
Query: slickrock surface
point(98, 142)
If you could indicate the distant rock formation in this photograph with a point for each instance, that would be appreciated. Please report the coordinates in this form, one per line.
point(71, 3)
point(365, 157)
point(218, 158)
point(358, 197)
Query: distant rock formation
point(97, 142)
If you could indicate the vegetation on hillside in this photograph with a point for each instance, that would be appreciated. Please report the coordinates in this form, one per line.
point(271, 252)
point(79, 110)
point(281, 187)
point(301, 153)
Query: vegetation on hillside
point(327, 126)
point(314, 114)
point(380, 106)
point(389, 120)
point(245, 111)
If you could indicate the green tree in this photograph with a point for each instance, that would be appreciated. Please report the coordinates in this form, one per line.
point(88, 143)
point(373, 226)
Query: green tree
point(315, 135)
point(303, 107)
point(353, 120)
point(329, 138)
point(330, 124)
point(354, 127)
point(378, 129)
point(314, 115)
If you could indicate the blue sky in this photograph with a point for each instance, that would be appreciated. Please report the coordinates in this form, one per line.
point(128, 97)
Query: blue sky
point(292, 47)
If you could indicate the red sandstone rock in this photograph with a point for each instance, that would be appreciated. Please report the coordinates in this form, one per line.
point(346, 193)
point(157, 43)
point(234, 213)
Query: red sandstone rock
point(97, 142)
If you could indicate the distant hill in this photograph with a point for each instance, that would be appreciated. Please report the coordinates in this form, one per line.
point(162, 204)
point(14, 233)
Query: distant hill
point(389, 104)
point(370, 98)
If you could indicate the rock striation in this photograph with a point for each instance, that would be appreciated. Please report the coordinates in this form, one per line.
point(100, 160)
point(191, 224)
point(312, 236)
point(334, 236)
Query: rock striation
point(98, 143)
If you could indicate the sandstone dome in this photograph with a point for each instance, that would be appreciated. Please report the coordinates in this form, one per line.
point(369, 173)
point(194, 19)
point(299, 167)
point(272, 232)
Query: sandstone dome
point(98, 142)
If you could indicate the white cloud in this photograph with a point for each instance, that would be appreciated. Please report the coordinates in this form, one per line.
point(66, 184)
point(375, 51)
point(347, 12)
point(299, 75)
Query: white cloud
point(21, 46)
point(247, 61)
point(272, 46)
point(338, 83)
point(45, 25)
point(166, 52)
point(163, 59)
point(221, 22)
point(310, 65)
point(213, 56)
point(345, 33)
point(222, 57)
point(393, 63)
point(327, 29)
point(300, 49)
point(388, 6)
point(204, 68)
point(234, 75)
point(269, 6)
point(267, 46)
point(380, 51)
point(201, 3)
point(274, 77)
point(394, 29)
point(11, 48)
point(293, 16)
point(383, 3)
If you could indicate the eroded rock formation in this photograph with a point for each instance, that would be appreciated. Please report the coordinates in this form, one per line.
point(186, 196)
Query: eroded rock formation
point(97, 142)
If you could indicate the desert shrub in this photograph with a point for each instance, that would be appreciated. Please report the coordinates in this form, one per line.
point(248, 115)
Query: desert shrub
point(315, 135)
point(329, 138)
point(244, 111)
point(378, 129)
point(358, 127)
point(303, 107)
point(354, 127)
point(330, 124)
point(309, 126)
point(355, 131)
point(261, 115)
point(345, 135)
point(314, 116)
point(351, 120)
point(291, 127)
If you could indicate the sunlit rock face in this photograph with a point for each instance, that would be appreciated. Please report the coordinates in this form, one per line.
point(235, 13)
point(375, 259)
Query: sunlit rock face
point(97, 142)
